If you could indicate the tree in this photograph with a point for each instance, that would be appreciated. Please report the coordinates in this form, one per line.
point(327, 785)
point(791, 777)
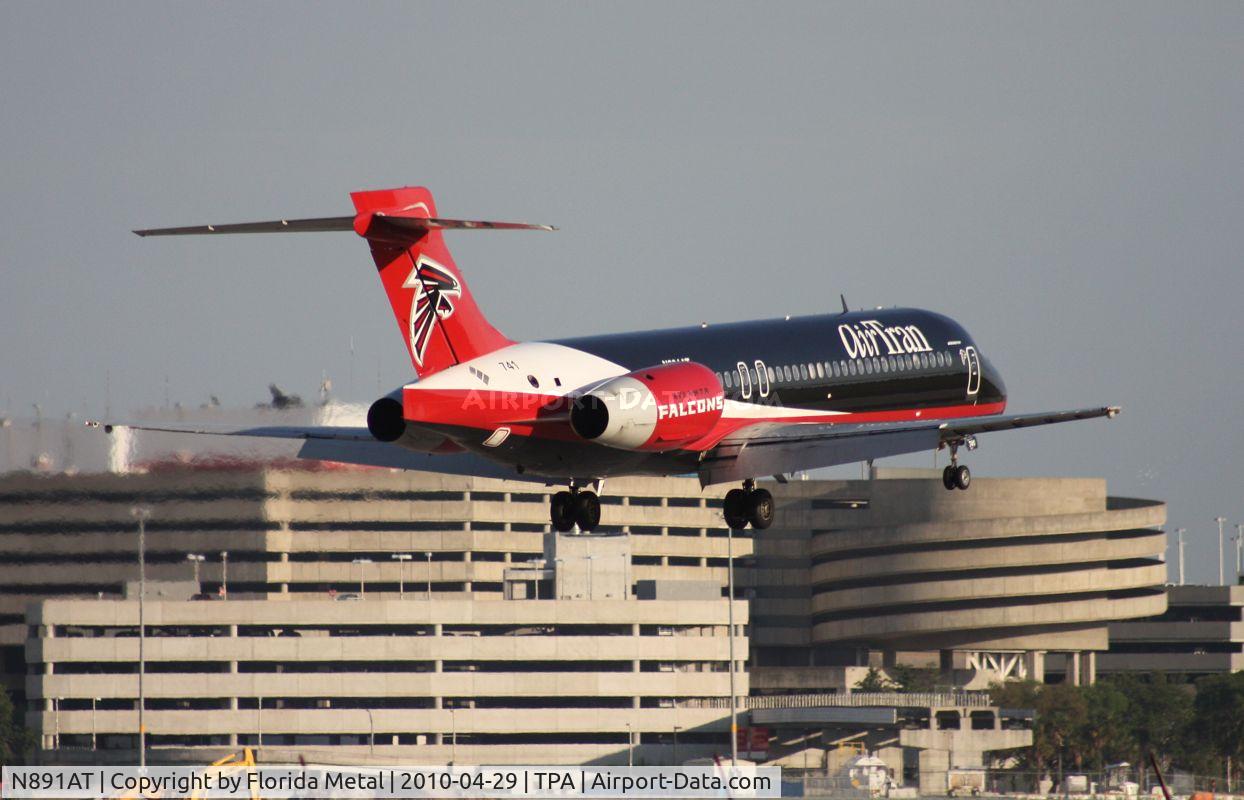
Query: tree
point(915, 679)
point(1219, 710)
point(1160, 714)
point(874, 681)
point(16, 743)
point(1106, 735)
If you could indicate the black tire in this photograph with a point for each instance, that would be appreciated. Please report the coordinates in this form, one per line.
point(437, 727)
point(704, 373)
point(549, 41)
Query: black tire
point(963, 477)
point(760, 508)
point(562, 511)
point(948, 477)
point(587, 510)
point(734, 508)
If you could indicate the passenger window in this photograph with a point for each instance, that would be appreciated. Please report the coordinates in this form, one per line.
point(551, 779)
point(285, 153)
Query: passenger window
point(851, 366)
point(786, 372)
point(803, 371)
point(772, 377)
point(820, 371)
point(729, 383)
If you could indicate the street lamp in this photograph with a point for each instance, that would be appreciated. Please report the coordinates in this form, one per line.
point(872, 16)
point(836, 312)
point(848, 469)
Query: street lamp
point(224, 574)
point(362, 584)
point(734, 708)
point(401, 559)
point(142, 514)
point(1239, 550)
point(453, 737)
point(94, 700)
point(371, 733)
point(1221, 580)
point(196, 559)
point(676, 729)
point(1180, 533)
point(630, 746)
point(428, 556)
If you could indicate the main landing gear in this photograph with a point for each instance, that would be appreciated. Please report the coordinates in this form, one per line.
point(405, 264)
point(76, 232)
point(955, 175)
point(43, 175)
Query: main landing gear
point(574, 507)
point(748, 505)
point(956, 475)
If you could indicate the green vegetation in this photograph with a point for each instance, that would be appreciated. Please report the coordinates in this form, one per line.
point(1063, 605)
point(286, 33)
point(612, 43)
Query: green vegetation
point(905, 679)
point(16, 743)
point(1125, 718)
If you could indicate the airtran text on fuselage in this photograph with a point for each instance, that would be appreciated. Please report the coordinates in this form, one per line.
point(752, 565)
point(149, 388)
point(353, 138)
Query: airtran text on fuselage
point(867, 338)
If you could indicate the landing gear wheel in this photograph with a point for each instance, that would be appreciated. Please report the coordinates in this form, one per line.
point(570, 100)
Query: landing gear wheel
point(586, 510)
point(963, 477)
point(735, 507)
point(948, 477)
point(562, 511)
point(760, 508)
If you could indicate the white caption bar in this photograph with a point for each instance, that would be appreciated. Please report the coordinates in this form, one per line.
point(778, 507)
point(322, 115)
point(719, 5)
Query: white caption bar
point(292, 782)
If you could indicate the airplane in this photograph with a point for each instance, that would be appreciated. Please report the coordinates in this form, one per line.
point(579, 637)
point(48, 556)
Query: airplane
point(729, 403)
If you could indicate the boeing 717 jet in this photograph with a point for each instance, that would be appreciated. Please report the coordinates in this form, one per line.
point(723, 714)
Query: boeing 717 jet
point(729, 403)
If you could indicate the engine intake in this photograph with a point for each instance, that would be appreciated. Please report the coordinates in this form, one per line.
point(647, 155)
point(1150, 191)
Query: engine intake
point(385, 419)
point(660, 408)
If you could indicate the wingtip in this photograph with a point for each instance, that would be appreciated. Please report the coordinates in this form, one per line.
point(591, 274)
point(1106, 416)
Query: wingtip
point(140, 234)
point(1113, 411)
point(94, 423)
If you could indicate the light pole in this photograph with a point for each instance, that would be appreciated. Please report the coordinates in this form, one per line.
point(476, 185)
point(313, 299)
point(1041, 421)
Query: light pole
point(142, 514)
point(676, 729)
point(362, 585)
point(1239, 550)
point(196, 559)
point(371, 733)
point(734, 709)
point(428, 556)
point(56, 718)
point(630, 746)
point(94, 700)
point(401, 559)
point(1180, 533)
point(1221, 580)
point(590, 559)
point(224, 574)
point(259, 722)
point(453, 737)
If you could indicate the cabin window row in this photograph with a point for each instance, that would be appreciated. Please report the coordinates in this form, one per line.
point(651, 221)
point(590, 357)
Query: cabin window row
point(792, 373)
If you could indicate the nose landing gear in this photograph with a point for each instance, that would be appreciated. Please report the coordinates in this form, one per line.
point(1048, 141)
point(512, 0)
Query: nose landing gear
point(574, 507)
point(748, 505)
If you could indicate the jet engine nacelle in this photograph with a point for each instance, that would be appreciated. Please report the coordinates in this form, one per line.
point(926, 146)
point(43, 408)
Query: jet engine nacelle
point(660, 408)
point(385, 419)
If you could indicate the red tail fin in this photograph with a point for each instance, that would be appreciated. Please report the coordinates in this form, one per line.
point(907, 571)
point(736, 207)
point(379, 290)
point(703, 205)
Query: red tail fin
point(439, 319)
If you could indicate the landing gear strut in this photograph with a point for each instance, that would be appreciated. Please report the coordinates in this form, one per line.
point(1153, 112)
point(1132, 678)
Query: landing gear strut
point(956, 475)
point(748, 505)
point(574, 507)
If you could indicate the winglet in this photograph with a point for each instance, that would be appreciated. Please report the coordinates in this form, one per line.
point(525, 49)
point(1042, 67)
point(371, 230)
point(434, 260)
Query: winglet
point(843, 298)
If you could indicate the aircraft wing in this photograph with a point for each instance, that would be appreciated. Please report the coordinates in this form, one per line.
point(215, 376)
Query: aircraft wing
point(337, 432)
point(346, 445)
point(777, 448)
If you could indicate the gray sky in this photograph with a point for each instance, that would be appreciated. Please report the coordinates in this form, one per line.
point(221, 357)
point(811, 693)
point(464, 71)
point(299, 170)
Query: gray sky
point(1065, 179)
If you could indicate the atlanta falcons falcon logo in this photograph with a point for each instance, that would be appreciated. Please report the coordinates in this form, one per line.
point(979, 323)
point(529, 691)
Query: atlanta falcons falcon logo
point(435, 290)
